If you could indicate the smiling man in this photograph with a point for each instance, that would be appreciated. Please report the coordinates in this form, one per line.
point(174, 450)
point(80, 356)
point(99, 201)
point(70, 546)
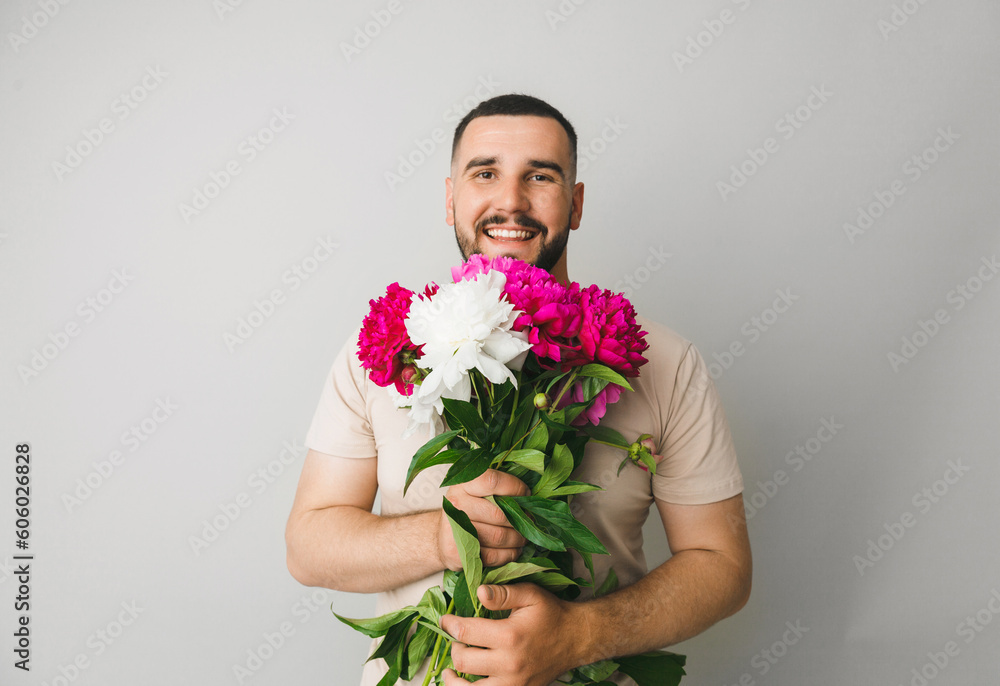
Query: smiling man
point(513, 191)
point(529, 217)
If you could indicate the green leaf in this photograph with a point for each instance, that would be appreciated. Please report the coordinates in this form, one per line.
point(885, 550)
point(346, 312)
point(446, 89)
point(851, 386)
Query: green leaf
point(436, 629)
point(449, 581)
point(471, 465)
point(551, 580)
point(432, 605)
point(511, 571)
point(556, 518)
point(538, 439)
point(461, 414)
point(555, 420)
point(649, 461)
point(589, 562)
point(467, 542)
point(577, 445)
point(396, 664)
point(658, 668)
point(598, 671)
point(417, 650)
point(571, 412)
point(600, 371)
point(523, 524)
point(378, 626)
point(391, 642)
point(464, 605)
point(607, 435)
point(523, 416)
point(572, 488)
point(425, 456)
point(591, 386)
point(529, 458)
point(610, 584)
point(556, 471)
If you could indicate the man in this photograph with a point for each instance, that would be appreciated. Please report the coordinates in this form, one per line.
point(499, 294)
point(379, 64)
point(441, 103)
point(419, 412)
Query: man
point(513, 191)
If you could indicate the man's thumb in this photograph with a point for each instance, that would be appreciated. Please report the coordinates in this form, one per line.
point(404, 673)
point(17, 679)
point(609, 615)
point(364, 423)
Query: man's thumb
point(504, 597)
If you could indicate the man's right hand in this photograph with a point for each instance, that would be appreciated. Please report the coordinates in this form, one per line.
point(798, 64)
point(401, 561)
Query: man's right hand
point(499, 541)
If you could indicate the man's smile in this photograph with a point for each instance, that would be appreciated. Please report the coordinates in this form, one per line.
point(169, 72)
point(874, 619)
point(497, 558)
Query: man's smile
point(509, 234)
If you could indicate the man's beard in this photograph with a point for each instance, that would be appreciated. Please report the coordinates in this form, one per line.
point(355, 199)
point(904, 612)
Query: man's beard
point(548, 255)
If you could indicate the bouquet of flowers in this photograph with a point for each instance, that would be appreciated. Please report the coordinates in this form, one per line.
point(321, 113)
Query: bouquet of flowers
point(507, 369)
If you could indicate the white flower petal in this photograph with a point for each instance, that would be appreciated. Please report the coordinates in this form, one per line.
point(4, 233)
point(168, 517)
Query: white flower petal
point(464, 326)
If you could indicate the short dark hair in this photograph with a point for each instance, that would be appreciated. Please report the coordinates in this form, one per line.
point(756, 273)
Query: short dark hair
point(517, 104)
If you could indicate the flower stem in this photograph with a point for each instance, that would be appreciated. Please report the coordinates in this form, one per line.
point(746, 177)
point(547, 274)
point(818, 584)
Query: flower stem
point(437, 659)
point(613, 445)
point(569, 382)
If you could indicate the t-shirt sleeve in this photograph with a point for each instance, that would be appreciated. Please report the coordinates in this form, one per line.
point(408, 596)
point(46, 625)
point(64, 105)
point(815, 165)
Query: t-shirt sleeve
point(341, 425)
point(699, 461)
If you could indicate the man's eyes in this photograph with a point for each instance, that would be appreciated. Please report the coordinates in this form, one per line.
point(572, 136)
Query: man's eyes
point(491, 175)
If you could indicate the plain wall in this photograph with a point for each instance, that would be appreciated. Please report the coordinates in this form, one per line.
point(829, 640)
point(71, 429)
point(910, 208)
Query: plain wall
point(878, 540)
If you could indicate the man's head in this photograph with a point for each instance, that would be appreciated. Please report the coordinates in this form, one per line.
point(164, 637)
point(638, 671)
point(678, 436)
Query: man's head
point(513, 189)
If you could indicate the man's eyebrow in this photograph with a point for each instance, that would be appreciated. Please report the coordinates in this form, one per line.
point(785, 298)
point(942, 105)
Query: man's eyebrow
point(480, 162)
point(546, 164)
point(534, 164)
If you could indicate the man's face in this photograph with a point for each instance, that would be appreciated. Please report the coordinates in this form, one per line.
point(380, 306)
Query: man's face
point(511, 192)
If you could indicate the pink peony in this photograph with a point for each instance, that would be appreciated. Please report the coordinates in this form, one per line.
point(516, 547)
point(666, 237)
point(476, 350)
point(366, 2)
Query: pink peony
point(610, 334)
point(550, 311)
point(383, 343)
point(608, 395)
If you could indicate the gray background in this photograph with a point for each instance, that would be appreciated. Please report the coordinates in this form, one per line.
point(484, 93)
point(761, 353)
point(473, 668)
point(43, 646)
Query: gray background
point(652, 184)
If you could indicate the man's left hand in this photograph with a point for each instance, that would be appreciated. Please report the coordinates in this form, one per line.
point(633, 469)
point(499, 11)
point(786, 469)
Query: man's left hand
point(532, 647)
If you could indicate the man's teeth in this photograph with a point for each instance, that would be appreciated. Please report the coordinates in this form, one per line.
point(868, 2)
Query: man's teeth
point(505, 233)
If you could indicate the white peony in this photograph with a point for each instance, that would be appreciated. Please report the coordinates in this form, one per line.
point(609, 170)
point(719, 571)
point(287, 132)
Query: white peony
point(465, 325)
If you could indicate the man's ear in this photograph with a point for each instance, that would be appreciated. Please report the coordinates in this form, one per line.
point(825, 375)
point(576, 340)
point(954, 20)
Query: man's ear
point(449, 203)
point(576, 214)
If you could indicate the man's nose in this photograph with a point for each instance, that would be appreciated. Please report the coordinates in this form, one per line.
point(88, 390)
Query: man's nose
point(512, 197)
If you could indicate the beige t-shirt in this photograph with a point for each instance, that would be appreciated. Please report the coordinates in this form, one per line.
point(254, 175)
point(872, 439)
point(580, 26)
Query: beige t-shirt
point(674, 399)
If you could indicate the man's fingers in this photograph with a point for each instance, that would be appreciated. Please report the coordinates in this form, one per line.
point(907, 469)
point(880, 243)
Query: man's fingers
point(509, 596)
point(478, 509)
point(472, 631)
point(470, 660)
point(452, 679)
point(499, 536)
point(493, 482)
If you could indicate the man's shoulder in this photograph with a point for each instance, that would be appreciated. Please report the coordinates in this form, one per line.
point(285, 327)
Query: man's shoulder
point(664, 342)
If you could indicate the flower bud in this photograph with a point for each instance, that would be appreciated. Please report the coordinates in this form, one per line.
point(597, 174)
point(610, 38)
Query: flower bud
point(409, 374)
point(541, 401)
point(647, 442)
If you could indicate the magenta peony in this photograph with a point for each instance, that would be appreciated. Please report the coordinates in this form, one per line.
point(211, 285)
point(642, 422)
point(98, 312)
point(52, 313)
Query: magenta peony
point(384, 342)
point(610, 334)
point(550, 311)
point(609, 395)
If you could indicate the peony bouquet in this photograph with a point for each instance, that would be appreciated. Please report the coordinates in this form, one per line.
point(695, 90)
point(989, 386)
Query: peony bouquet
point(509, 369)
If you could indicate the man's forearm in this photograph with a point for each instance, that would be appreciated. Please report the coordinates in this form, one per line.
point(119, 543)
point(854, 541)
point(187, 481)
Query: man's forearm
point(348, 549)
point(679, 599)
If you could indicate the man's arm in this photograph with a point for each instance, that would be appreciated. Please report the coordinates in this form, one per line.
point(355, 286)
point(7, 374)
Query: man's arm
point(706, 580)
point(333, 539)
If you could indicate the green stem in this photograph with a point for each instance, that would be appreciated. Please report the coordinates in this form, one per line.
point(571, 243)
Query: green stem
point(569, 382)
point(613, 445)
point(515, 444)
point(435, 666)
point(552, 408)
